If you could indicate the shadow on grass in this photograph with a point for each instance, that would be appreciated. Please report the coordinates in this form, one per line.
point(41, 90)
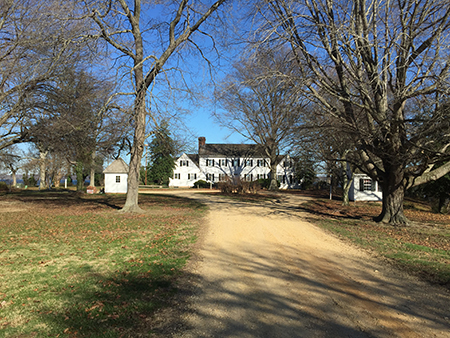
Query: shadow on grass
point(120, 305)
point(69, 199)
point(335, 210)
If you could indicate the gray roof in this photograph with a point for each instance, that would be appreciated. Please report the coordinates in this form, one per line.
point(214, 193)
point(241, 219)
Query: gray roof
point(194, 158)
point(117, 167)
point(232, 150)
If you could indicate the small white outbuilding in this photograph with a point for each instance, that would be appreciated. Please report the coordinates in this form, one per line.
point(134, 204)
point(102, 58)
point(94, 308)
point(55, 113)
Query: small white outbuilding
point(116, 177)
point(364, 189)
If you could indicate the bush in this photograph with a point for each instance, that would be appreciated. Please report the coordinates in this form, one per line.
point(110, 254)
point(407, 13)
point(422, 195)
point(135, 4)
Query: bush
point(238, 186)
point(264, 183)
point(201, 184)
point(3, 187)
point(254, 187)
point(225, 187)
point(32, 181)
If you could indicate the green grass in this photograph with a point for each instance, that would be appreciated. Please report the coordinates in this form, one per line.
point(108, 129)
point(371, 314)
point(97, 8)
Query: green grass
point(75, 266)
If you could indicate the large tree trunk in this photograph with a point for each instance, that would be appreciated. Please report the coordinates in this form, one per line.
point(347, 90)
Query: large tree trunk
point(42, 168)
point(79, 173)
point(92, 172)
point(393, 195)
point(273, 178)
point(14, 178)
point(345, 189)
point(131, 203)
point(347, 179)
point(57, 178)
point(273, 169)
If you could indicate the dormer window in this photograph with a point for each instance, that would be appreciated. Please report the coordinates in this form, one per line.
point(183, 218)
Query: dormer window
point(184, 163)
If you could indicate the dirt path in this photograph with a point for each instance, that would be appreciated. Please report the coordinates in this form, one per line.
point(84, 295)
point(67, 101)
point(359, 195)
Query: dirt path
point(264, 272)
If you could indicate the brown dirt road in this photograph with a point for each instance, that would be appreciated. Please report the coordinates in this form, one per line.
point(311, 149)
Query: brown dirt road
point(262, 271)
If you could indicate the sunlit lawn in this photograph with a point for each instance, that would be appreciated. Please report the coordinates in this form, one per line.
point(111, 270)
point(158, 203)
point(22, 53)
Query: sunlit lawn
point(72, 265)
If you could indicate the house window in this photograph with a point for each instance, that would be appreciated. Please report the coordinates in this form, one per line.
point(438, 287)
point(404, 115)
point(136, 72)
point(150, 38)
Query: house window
point(192, 176)
point(260, 163)
point(366, 184)
point(236, 163)
point(223, 162)
point(176, 176)
point(222, 177)
point(249, 163)
point(248, 177)
point(184, 163)
point(210, 177)
point(210, 163)
point(117, 179)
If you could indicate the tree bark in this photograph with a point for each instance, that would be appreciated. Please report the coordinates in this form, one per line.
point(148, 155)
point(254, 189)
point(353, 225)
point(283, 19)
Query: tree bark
point(273, 170)
point(393, 195)
point(57, 178)
point(348, 179)
point(273, 179)
point(42, 168)
point(14, 178)
point(131, 203)
point(79, 173)
point(92, 172)
point(345, 189)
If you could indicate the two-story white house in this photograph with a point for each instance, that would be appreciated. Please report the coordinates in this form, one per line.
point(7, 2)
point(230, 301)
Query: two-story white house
point(217, 162)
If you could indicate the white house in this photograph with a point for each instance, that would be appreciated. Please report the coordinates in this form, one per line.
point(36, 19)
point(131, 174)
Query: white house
point(364, 189)
point(216, 162)
point(116, 177)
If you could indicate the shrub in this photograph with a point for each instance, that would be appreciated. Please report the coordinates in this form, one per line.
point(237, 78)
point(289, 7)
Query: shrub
point(32, 181)
point(254, 187)
point(238, 186)
point(264, 183)
point(4, 186)
point(225, 187)
point(201, 184)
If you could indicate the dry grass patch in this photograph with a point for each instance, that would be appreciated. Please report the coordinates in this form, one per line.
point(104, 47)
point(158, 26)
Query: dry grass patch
point(423, 248)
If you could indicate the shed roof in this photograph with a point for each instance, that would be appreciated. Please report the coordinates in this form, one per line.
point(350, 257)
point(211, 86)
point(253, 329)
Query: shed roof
point(117, 167)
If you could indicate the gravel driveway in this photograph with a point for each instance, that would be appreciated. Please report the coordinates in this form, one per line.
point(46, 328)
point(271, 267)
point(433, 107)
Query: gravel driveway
point(262, 271)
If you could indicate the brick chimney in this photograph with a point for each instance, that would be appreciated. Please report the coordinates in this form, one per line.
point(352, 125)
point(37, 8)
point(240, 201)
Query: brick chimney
point(201, 142)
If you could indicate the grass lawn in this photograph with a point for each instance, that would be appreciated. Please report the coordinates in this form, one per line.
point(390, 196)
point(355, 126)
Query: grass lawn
point(422, 248)
point(71, 265)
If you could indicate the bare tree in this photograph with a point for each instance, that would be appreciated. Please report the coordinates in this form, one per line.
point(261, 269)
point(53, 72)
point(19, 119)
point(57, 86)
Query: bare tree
point(78, 119)
point(37, 40)
point(147, 43)
point(386, 64)
point(10, 159)
point(262, 101)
